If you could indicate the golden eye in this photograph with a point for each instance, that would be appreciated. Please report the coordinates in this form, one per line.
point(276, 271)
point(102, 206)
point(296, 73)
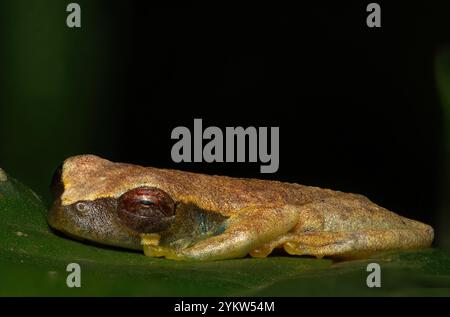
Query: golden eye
point(146, 209)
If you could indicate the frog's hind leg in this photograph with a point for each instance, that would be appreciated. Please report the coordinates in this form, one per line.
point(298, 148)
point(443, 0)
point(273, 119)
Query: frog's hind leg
point(348, 226)
point(347, 244)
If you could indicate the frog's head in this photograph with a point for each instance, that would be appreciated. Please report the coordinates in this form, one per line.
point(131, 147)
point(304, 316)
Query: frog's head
point(108, 203)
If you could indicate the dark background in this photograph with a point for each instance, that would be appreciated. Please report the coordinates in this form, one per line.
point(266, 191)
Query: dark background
point(359, 109)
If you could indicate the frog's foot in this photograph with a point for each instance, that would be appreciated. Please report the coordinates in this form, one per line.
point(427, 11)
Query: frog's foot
point(152, 247)
point(348, 244)
point(156, 251)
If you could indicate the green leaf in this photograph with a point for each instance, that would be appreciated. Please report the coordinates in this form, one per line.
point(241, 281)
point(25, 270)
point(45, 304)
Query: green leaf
point(33, 261)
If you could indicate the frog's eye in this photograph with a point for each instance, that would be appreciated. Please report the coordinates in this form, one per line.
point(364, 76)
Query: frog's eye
point(146, 209)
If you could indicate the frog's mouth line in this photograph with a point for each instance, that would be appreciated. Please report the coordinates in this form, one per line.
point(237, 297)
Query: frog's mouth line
point(65, 234)
point(69, 236)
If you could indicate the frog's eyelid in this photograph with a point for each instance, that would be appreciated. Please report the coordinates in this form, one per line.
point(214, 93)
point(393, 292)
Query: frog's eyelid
point(145, 217)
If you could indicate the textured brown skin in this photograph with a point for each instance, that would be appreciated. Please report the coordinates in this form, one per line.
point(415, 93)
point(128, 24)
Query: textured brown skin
point(263, 215)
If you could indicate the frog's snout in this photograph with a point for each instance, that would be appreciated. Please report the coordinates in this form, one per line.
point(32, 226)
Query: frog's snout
point(52, 218)
point(56, 212)
point(56, 185)
point(66, 219)
point(93, 220)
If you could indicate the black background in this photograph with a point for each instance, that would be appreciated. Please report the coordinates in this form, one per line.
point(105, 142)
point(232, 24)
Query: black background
point(357, 107)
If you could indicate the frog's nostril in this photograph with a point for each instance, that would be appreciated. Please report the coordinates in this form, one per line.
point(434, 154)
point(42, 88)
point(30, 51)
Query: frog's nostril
point(57, 185)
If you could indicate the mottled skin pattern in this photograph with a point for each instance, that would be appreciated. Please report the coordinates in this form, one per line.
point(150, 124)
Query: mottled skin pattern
point(259, 215)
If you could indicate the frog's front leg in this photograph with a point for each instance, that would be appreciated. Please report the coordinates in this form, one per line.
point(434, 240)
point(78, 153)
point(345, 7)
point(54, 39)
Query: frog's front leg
point(246, 230)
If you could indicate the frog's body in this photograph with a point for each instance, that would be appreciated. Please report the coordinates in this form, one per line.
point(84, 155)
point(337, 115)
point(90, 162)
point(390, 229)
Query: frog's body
point(220, 217)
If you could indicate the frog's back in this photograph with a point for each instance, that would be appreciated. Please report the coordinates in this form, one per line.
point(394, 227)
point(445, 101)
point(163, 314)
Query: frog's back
point(88, 177)
point(227, 194)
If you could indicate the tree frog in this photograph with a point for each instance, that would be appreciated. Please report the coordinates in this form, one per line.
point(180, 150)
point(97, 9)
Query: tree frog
point(188, 216)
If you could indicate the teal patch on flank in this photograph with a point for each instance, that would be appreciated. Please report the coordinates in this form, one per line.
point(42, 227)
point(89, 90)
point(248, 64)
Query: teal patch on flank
point(193, 224)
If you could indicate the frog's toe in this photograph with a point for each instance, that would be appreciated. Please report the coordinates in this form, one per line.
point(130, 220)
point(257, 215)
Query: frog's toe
point(160, 251)
point(319, 249)
point(261, 252)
